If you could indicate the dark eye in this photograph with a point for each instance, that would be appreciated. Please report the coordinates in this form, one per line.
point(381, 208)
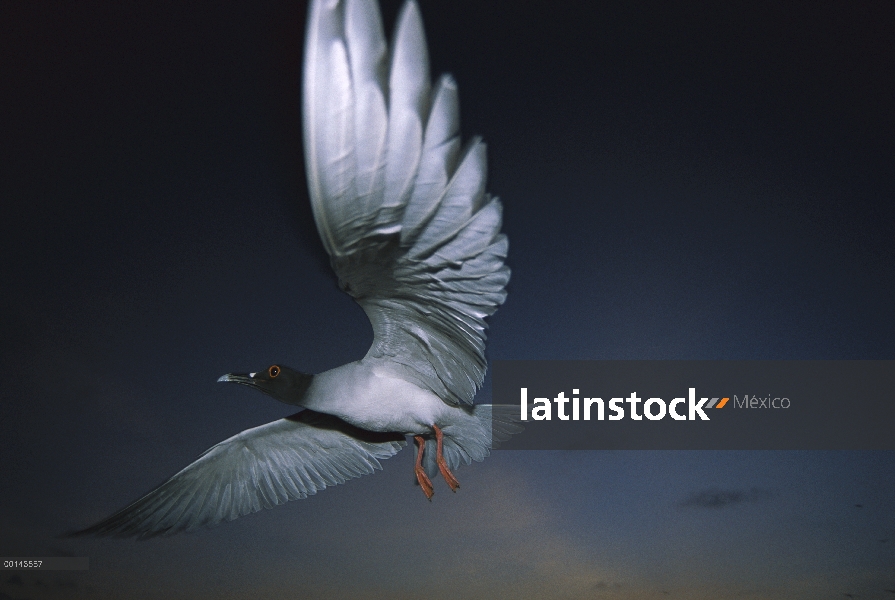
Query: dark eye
point(273, 371)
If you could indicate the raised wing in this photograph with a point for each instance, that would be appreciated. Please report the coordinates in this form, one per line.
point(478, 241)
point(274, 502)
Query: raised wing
point(259, 468)
point(401, 210)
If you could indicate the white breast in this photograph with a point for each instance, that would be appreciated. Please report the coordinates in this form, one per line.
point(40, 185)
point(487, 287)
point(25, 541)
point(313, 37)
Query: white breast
point(375, 400)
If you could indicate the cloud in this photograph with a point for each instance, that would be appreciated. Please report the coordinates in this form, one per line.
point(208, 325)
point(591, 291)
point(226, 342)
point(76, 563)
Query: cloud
point(715, 498)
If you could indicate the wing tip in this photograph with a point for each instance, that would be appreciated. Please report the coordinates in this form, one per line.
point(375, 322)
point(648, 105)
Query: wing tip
point(409, 29)
point(447, 81)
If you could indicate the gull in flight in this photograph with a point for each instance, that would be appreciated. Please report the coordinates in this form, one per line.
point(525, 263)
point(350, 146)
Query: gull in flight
point(402, 211)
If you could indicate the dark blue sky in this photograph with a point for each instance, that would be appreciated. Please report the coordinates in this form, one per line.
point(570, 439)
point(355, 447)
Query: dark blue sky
point(679, 182)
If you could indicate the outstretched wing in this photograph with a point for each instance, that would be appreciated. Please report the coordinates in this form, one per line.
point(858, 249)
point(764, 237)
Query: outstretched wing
point(401, 210)
point(259, 468)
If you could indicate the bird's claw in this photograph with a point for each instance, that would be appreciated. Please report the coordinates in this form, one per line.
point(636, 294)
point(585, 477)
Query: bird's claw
point(448, 476)
point(425, 483)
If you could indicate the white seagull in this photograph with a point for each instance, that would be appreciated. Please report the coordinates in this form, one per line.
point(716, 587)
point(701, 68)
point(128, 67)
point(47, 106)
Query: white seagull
point(415, 240)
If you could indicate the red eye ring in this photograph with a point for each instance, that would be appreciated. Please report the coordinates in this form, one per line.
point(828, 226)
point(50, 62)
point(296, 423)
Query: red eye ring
point(273, 371)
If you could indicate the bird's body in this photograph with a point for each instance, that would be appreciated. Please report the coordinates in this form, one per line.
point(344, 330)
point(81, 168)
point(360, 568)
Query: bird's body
point(402, 211)
point(372, 398)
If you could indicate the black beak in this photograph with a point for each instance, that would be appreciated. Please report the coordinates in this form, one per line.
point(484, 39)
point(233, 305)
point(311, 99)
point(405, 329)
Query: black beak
point(243, 379)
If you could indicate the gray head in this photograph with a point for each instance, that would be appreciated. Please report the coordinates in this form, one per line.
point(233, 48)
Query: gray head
point(285, 384)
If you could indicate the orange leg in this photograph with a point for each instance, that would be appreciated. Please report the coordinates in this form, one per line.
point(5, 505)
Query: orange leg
point(421, 476)
point(442, 465)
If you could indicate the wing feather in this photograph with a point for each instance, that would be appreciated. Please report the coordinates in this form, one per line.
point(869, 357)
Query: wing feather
point(441, 147)
point(262, 467)
point(368, 74)
point(401, 210)
point(408, 104)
